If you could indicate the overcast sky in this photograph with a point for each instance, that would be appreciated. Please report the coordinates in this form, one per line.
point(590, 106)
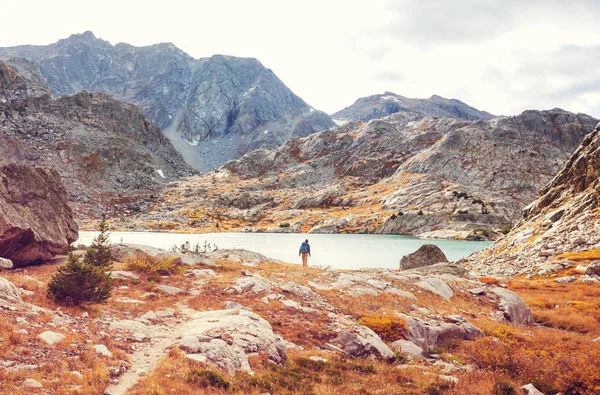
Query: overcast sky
point(503, 56)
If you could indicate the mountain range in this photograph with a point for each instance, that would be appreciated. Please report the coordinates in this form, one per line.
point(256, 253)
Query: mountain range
point(213, 109)
point(378, 106)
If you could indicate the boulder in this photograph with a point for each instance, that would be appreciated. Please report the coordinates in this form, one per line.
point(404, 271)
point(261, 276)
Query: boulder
point(226, 337)
point(408, 348)
point(360, 341)
point(36, 222)
point(31, 383)
point(593, 269)
point(8, 292)
point(432, 334)
point(437, 286)
point(50, 338)
point(5, 263)
point(512, 307)
point(426, 255)
point(170, 290)
point(102, 350)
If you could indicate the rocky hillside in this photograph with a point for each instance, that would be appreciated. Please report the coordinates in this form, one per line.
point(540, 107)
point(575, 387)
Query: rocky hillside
point(404, 174)
point(560, 228)
point(377, 106)
point(105, 150)
point(213, 109)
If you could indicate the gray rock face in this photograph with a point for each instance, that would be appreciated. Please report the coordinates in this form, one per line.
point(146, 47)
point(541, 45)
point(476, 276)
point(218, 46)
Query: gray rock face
point(426, 255)
point(419, 164)
point(429, 335)
point(513, 307)
point(232, 104)
point(36, 222)
point(226, 337)
point(360, 341)
point(97, 144)
point(8, 292)
point(561, 219)
point(377, 106)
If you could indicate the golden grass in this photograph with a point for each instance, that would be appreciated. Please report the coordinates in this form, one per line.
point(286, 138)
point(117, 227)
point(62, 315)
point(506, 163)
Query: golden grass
point(580, 256)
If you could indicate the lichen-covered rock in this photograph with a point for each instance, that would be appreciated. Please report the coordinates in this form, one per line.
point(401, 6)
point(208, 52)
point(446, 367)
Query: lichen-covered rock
point(5, 263)
point(426, 255)
point(226, 337)
point(360, 341)
point(512, 307)
point(36, 222)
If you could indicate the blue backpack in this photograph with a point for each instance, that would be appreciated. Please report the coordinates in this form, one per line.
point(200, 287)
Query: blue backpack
point(304, 248)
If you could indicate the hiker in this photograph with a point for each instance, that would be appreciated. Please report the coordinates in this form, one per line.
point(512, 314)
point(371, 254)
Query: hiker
point(305, 252)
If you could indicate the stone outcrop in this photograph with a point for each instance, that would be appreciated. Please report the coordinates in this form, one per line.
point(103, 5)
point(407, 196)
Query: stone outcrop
point(404, 174)
point(378, 106)
point(214, 109)
point(106, 151)
point(562, 219)
point(226, 337)
point(426, 255)
point(36, 222)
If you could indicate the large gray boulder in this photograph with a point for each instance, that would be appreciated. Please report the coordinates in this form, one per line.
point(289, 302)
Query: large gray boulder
point(360, 341)
point(36, 222)
point(426, 255)
point(512, 307)
point(8, 292)
point(429, 334)
point(226, 337)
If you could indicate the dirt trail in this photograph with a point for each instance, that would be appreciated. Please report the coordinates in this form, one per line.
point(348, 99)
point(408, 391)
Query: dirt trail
point(144, 360)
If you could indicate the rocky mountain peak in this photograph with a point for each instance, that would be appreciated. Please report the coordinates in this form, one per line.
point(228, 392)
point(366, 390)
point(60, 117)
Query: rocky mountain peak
point(381, 105)
point(213, 109)
point(563, 219)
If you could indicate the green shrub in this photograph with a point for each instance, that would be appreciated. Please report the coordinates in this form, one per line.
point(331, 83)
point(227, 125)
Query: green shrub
point(77, 283)
point(420, 212)
point(284, 225)
point(307, 363)
point(206, 378)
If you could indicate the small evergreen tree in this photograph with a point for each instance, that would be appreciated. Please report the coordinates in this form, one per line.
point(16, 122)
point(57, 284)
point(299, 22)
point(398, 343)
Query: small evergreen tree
point(98, 254)
point(77, 283)
point(88, 280)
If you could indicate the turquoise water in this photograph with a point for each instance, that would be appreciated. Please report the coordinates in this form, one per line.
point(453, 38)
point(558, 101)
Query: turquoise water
point(340, 251)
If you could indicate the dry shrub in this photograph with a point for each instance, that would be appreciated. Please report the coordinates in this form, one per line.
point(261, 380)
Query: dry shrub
point(387, 327)
point(489, 280)
point(551, 364)
point(146, 264)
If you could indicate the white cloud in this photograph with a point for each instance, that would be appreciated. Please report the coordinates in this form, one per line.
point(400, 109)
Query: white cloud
point(500, 56)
